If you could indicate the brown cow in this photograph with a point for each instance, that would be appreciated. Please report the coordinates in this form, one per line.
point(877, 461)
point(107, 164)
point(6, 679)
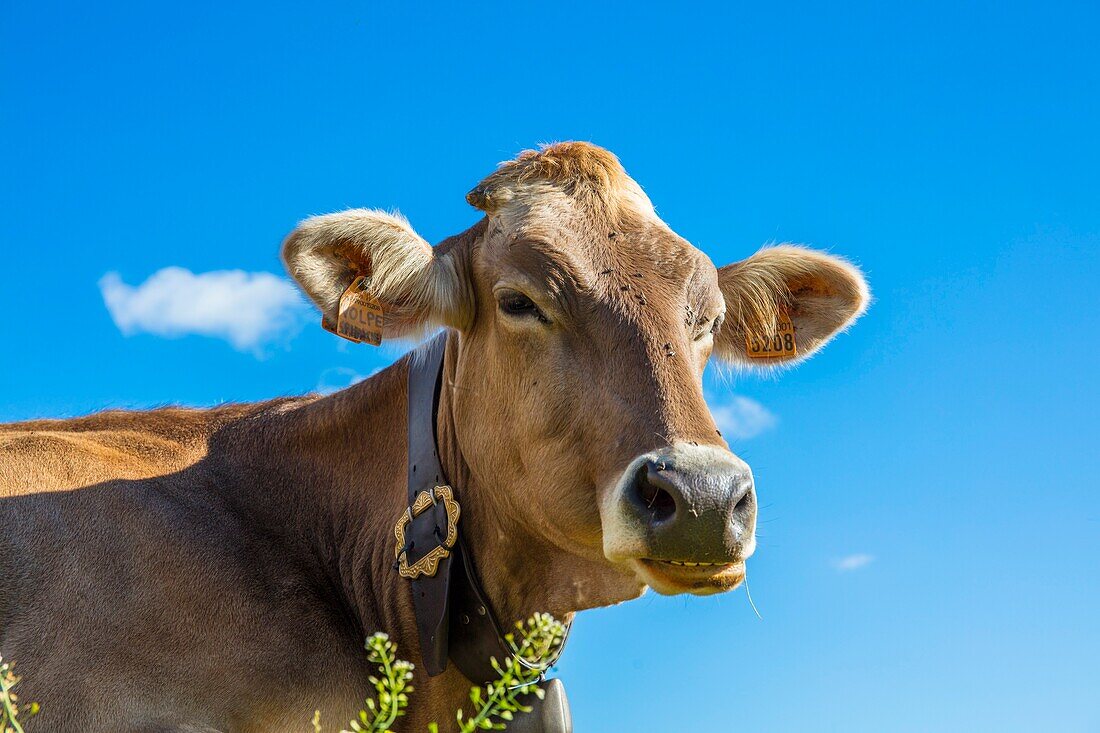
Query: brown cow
point(218, 570)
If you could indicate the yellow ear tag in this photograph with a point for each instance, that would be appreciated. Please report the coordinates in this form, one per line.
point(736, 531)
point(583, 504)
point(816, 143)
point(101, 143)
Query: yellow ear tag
point(359, 317)
point(780, 344)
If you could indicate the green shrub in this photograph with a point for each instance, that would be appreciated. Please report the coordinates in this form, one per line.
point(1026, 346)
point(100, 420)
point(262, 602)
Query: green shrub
point(539, 639)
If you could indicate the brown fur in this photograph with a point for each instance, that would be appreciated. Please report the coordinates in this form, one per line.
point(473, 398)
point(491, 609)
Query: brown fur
point(219, 569)
point(582, 171)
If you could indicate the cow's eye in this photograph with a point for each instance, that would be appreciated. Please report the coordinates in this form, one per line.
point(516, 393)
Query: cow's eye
point(707, 327)
point(704, 331)
point(519, 305)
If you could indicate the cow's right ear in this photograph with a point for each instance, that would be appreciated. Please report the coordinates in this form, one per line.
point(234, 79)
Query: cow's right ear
point(417, 286)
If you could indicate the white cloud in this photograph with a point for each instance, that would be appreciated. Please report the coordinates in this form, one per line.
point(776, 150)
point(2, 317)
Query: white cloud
point(337, 378)
point(741, 418)
point(849, 563)
point(247, 309)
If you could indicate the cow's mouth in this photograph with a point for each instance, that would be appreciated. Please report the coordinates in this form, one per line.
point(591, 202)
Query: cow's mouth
point(670, 577)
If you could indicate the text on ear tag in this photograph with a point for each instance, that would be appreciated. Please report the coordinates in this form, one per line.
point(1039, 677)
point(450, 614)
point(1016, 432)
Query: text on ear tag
point(359, 317)
point(780, 344)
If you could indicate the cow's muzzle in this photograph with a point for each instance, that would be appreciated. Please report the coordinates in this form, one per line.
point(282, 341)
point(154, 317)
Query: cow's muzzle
point(684, 518)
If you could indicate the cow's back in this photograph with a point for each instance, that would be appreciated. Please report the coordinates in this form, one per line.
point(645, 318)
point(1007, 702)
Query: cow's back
point(55, 455)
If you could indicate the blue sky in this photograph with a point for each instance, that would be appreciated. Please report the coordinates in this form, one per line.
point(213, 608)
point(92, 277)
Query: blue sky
point(930, 539)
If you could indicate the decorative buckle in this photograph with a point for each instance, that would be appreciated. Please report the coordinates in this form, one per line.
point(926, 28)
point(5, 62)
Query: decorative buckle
point(429, 563)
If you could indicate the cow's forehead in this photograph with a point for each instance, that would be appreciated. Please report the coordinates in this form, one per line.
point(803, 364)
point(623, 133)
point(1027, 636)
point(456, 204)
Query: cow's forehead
point(556, 243)
point(561, 227)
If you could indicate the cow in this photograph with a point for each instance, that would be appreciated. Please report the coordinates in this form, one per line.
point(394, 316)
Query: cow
point(218, 569)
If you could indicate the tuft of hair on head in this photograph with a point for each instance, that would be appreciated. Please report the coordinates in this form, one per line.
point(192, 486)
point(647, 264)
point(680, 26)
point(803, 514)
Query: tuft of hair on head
point(579, 169)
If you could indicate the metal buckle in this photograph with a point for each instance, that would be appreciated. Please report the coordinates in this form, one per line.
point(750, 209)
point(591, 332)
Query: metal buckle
point(428, 564)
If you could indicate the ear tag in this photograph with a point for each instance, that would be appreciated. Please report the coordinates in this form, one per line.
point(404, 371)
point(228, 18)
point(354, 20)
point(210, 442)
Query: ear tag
point(359, 317)
point(780, 344)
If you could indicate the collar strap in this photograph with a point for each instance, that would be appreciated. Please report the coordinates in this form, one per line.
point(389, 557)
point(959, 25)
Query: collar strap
point(453, 616)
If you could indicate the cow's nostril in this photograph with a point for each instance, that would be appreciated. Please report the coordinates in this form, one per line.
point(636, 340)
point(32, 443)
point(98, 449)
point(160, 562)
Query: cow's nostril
point(745, 502)
point(658, 502)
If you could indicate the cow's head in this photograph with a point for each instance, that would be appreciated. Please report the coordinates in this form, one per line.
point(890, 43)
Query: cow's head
point(584, 324)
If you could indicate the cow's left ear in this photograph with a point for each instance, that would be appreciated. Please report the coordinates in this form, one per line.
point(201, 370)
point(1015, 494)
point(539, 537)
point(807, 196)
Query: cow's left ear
point(819, 293)
point(419, 287)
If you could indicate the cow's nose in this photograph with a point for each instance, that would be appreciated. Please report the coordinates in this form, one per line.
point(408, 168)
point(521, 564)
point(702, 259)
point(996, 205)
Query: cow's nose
point(695, 510)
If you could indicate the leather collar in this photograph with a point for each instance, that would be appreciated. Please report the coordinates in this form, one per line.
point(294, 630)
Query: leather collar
point(453, 616)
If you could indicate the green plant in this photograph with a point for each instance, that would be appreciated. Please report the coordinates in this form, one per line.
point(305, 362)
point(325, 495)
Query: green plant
point(9, 705)
point(391, 686)
point(494, 705)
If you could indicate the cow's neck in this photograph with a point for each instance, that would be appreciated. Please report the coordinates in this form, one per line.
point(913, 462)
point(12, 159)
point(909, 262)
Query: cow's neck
point(326, 477)
point(342, 459)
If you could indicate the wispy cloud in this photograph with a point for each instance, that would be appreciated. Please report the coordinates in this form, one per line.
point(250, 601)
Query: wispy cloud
point(247, 309)
point(848, 563)
point(740, 418)
point(337, 378)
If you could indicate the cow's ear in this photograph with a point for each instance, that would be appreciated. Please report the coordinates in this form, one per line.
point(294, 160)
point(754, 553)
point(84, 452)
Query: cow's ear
point(417, 286)
point(820, 294)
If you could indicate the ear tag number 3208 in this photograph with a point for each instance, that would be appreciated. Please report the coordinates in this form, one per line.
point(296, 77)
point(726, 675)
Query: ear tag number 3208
point(780, 344)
